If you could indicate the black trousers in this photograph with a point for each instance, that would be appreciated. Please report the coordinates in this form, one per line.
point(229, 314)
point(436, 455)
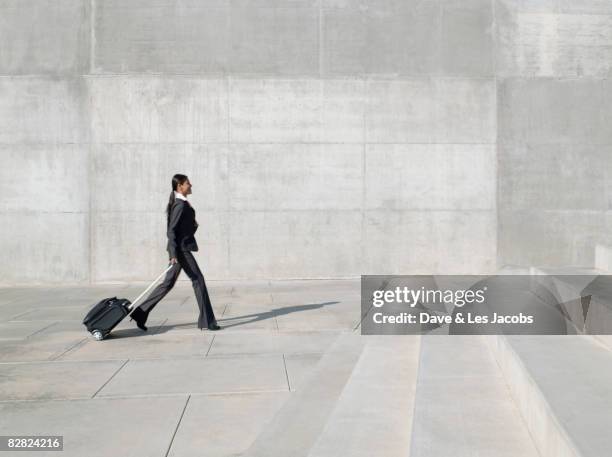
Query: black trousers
point(185, 261)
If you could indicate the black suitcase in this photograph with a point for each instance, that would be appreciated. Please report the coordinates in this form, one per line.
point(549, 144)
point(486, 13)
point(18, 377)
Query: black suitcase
point(108, 313)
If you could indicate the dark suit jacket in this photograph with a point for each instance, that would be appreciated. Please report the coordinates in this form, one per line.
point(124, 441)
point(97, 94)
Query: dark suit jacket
point(181, 228)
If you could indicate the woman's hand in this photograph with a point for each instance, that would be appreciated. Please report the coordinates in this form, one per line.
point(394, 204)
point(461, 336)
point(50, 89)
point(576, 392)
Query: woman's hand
point(173, 260)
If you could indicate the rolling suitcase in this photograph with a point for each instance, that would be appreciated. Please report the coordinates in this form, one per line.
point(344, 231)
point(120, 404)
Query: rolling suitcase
point(107, 313)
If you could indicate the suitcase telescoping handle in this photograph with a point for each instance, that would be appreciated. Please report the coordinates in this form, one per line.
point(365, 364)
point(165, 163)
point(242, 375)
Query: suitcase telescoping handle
point(150, 286)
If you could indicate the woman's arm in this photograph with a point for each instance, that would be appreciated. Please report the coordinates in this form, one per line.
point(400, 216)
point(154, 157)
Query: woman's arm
point(175, 216)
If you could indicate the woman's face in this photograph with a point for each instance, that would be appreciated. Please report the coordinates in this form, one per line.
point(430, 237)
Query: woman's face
point(184, 188)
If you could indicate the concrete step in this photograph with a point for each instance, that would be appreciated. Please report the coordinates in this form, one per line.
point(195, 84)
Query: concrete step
point(563, 388)
point(563, 384)
point(373, 415)
point(300, 421)
point(463, 406)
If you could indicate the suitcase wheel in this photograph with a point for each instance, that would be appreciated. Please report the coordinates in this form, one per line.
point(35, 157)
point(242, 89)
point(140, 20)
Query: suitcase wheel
point(98, 335)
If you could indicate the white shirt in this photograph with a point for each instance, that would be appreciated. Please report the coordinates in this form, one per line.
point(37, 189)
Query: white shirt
point(179, 195)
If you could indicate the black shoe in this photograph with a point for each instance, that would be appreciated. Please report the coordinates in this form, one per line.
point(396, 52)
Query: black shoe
point(214, 327)
point(140, 318)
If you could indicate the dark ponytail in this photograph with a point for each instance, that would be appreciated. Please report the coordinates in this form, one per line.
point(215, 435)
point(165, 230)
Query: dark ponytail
point(176, 180)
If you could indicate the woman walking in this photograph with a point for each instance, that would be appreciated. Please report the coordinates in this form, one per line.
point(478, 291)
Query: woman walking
point(182, 226)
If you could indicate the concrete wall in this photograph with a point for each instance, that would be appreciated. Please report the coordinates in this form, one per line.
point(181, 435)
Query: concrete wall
point(324, 138)
point(554, 136)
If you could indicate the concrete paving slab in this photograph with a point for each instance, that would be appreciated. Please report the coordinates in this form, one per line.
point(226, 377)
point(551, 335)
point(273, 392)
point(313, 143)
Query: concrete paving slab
point(38, 348)
point(138, 427)
point(314, 289)
point(224, 425)
point(282, 343)
point(374, 411)
point(14, 310)
point(198, 375)
point(63, 313)
point(251, 316)
point(302, 418)
point(299, 368)
point(186, 321)
point(132, 343)
point(8, 294)
point(317, 320)
point(21, 330)
point(54, 380)
point(244, 297)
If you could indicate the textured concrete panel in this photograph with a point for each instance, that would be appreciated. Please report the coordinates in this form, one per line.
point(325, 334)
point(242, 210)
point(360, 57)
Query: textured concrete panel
point(552, 44)
point(295, 244)
point(296, 176)
point(431, 110)
point(264, 111)
point(132, 245)
point(40, 110)
point(465, 111)
point(554, 111)
point(585, 6)
point(183, 37)
point(95, 427)
point(554, 176)
point(38, 254)
point(427, 242)
point(276, 40)
point(381, 38)
point(528, 6)
point(44, 37)
point(56, 172)
point(128, 246)
point(407, 38)
point(550, 238)
point(400, 111)
point(430, 176)
point(116, 167)
point(158, 110)
point(466, 38)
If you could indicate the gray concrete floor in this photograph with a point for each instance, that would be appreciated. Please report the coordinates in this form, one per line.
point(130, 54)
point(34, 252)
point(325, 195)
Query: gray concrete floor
point(288, 375)
point(174, 390)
